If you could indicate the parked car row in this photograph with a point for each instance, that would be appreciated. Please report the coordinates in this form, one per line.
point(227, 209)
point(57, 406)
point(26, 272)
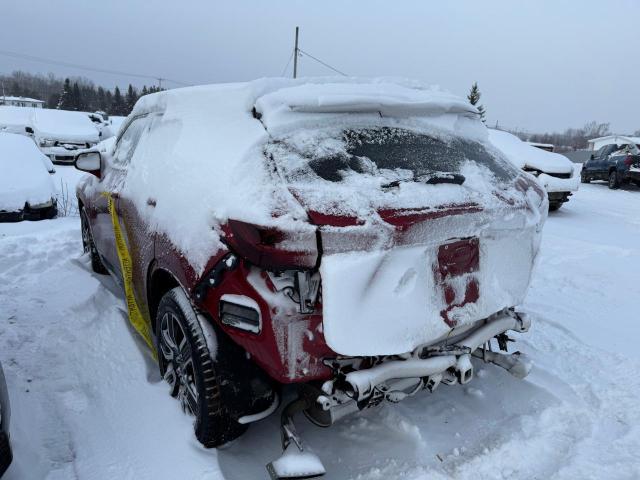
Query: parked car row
point(618, 164)
point(59, 134)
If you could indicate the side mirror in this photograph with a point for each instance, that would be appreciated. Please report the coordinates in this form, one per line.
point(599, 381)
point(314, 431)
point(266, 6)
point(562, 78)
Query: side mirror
point(592, 157)
point(29, 130)
point(89, 162)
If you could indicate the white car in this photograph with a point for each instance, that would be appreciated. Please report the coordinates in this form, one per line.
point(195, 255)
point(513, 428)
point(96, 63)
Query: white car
point(58, 133)
point(555, 172)
point(26, 188)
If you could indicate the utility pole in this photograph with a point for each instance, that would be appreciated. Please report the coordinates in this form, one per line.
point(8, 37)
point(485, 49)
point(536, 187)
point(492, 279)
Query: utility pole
point(295, 56)
point(160, 83)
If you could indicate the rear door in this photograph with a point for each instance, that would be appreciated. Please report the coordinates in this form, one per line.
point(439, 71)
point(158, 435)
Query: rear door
point(111, 185)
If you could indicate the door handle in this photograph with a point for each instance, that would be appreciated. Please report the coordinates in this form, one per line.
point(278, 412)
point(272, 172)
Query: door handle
point(151, 202)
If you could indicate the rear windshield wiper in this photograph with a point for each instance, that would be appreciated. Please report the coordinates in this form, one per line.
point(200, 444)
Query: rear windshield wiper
point(432, 179)
point(455, 178)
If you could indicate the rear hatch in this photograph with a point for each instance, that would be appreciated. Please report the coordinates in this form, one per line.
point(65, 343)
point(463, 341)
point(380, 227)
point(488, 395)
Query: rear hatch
point(420, 233)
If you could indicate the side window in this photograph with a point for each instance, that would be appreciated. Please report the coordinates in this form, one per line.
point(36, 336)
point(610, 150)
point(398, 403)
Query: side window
point(128, 142)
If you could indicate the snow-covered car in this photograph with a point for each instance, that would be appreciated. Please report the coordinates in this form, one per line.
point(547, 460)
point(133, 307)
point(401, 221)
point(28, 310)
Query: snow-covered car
point(58, 133)
point(555, 172)
point(6, 455)
point(101, 121)
point(357, 238)
point(26, 188)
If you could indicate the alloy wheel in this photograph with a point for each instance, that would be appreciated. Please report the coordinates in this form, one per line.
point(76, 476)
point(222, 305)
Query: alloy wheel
point(86, 235)
point(178, 363)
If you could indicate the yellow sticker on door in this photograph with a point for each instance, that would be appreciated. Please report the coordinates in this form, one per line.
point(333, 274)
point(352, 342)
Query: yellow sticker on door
point(135, 315)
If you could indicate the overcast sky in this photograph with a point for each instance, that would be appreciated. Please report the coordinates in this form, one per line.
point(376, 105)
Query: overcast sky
point(541, 65)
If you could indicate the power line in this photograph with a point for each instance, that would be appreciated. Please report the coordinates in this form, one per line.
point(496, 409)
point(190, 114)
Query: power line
point(288, 63)
point(321, 62)
point(33, 58)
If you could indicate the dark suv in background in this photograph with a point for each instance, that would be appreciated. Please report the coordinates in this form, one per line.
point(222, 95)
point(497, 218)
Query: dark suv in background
point(617, 164)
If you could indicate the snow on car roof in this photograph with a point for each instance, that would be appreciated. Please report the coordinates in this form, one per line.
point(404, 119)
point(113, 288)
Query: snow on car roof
point(24, 177)
point(202, 155)
point(65, 125)
point(522, 154)
point(57, 124)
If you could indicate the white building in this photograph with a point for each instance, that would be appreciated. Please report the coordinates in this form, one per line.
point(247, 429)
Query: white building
point(596, 143)
point(21, 102)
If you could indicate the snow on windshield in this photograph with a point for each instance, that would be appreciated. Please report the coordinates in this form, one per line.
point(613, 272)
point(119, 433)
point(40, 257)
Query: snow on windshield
point(389, 153)
point(351, 171)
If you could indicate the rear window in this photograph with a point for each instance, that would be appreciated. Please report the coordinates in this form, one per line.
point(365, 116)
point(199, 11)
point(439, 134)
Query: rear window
point(394, 154)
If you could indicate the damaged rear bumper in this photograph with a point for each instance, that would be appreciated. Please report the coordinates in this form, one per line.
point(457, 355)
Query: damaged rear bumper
point(393, 379)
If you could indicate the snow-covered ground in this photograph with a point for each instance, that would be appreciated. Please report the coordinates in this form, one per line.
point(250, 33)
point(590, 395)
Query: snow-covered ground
point(88, 404)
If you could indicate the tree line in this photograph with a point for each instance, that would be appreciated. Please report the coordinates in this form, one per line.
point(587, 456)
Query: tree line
point(570, 139)
point(75, 93)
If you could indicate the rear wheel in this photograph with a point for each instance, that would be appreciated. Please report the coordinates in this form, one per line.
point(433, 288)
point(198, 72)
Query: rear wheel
point(584, 178)
point(89, 246)
point(614, 182)
point(193, 374)
point(553, 206)
point(6, 455)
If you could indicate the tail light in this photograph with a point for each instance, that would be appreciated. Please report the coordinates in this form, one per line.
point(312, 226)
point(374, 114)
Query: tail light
point(273, 248)
point(628, 161)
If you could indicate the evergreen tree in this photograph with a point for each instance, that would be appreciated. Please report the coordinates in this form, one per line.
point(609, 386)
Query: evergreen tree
point(65, 100)
point(145, 91)
point(108, 101)
point(117, 105)
point(101, 101)
point(76, 98)
point(131, 98)
point(474, 98)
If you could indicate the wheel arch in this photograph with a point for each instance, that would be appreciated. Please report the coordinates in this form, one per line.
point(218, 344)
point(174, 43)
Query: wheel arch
point(159, 282)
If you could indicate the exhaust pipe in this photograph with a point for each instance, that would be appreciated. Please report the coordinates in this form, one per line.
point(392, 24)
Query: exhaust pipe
point(517, 364)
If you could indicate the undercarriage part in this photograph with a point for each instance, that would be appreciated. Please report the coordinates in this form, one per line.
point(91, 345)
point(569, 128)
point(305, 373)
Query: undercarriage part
point(360, 384)
point(295, 462)
point(517, 364)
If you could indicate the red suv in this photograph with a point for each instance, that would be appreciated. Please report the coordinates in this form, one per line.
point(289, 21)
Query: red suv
point(360, 239)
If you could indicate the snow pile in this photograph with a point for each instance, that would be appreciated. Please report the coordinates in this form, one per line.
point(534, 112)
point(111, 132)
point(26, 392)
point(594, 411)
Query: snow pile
point(88, 403)
point(524, 155)
point(23, 176)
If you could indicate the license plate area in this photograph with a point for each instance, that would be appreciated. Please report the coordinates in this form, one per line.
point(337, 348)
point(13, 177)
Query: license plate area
point(458, 263)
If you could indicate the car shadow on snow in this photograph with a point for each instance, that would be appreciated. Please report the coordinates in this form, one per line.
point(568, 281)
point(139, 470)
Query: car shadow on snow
point(116, 291)
point(430, 432)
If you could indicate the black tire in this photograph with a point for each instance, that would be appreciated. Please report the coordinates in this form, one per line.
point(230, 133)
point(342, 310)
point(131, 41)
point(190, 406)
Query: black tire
point(6, 456)
point(89, 246)
point(584, 178)
point(194, 376)
point(554, 206)
point(614, 181)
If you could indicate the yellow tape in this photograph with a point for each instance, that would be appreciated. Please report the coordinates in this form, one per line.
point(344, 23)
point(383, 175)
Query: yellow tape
point(136, 317)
